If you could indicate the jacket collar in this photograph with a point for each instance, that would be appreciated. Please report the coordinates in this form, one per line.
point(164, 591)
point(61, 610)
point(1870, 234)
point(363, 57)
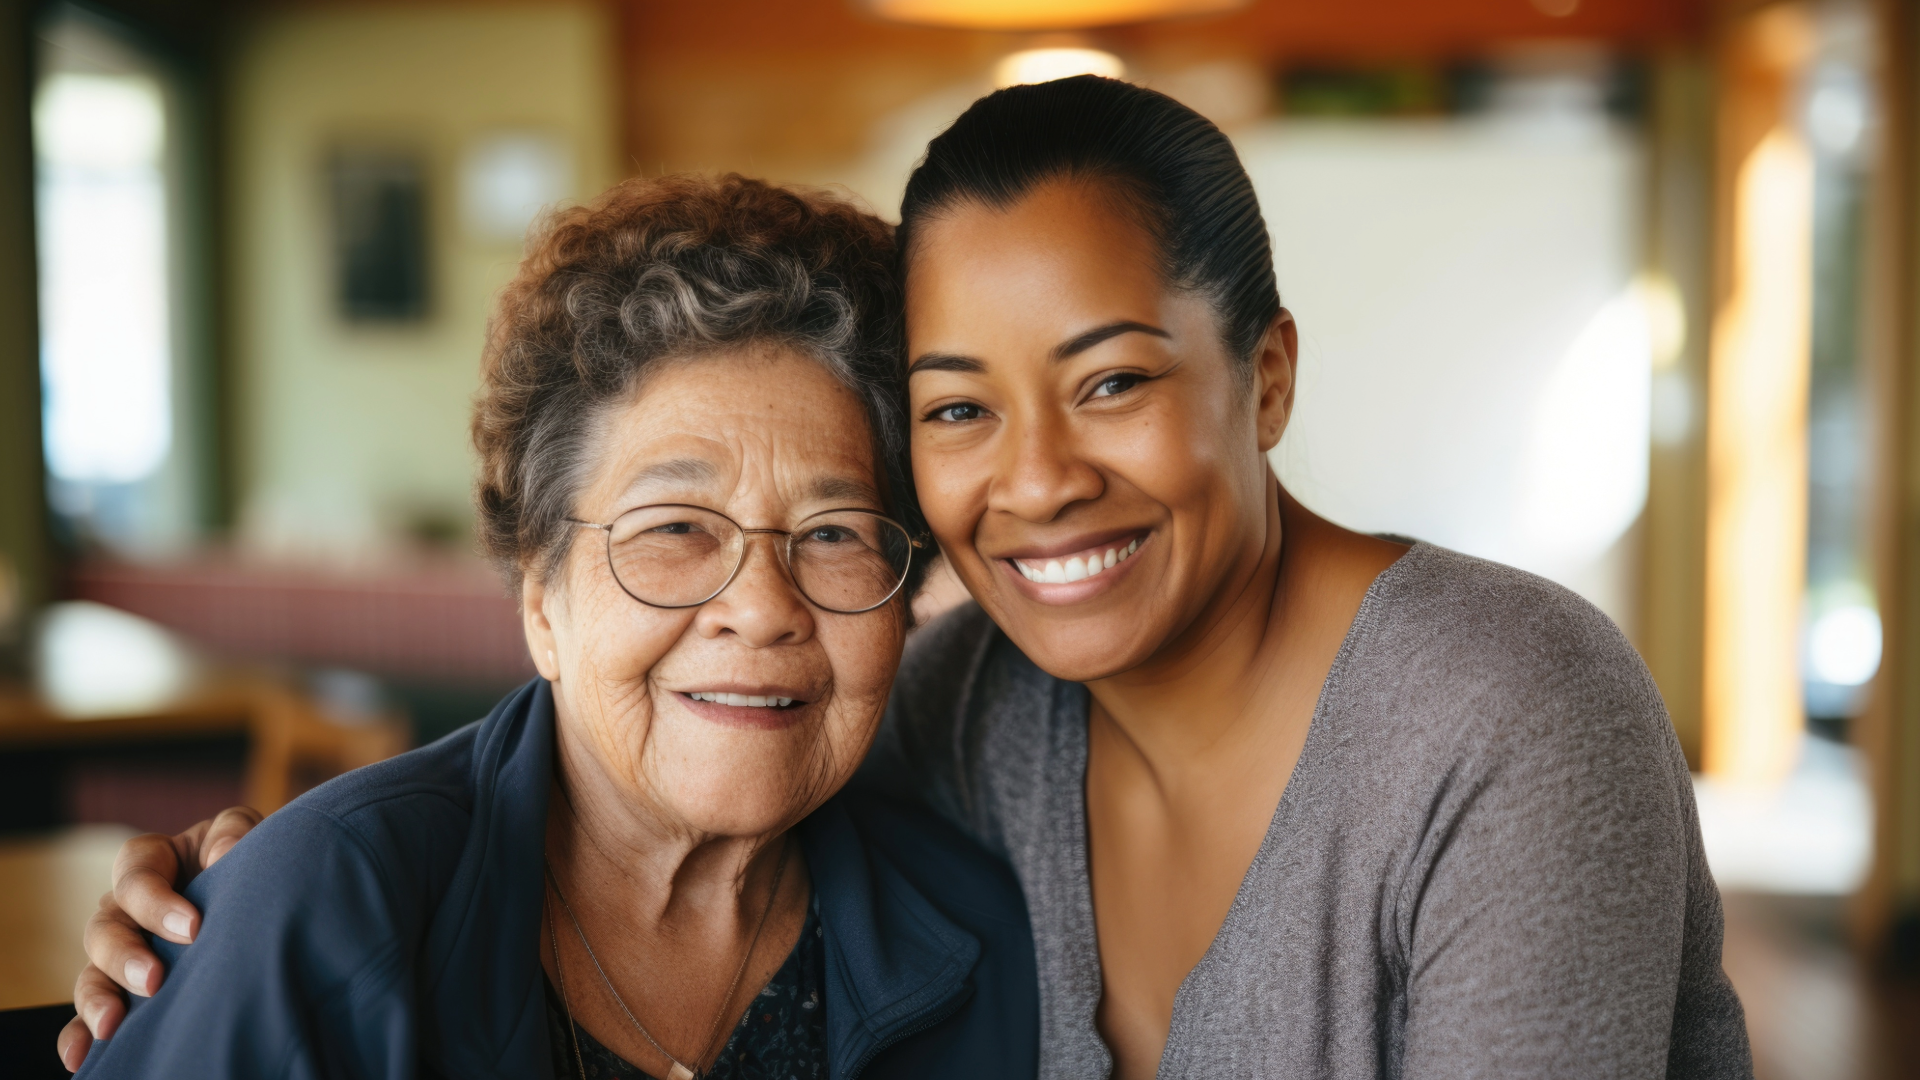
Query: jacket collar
point(485, 1002)
point(895, 964)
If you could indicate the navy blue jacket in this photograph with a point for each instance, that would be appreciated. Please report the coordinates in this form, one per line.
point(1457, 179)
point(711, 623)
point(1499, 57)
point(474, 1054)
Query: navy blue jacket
point(387, 924)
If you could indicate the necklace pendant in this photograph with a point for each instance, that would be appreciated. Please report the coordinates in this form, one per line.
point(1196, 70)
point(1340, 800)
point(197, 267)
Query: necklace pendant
point(681, 1072)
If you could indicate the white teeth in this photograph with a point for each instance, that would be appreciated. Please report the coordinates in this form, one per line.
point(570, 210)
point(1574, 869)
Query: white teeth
point(1057, 572)
point(751, 701)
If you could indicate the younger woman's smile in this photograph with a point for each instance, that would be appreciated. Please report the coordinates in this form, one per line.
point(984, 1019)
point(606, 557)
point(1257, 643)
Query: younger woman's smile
point(1084, 571)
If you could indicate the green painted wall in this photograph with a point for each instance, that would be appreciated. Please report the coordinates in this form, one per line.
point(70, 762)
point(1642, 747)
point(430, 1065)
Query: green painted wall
point(348, 436)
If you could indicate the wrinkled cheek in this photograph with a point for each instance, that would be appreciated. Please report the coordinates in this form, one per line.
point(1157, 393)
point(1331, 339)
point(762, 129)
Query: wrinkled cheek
point(867, 660)
point(843, 740)
point(617, 730)
point(865, 653)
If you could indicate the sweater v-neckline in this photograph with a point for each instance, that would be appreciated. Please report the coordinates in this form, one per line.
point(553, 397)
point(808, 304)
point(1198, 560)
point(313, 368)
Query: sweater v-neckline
point(1076, 701)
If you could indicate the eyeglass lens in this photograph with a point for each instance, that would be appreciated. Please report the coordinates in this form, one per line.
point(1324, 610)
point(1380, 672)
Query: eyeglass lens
point(679, 556)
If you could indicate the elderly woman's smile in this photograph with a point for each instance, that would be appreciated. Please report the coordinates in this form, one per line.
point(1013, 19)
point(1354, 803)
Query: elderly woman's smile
point(682, 706)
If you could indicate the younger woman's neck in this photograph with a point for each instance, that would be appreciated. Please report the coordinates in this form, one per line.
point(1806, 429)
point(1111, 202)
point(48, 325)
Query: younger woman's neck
point(1270, 632)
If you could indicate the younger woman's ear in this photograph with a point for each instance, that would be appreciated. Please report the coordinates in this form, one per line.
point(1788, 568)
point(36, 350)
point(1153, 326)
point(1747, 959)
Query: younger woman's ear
point(1275, 367)
point(536, 621)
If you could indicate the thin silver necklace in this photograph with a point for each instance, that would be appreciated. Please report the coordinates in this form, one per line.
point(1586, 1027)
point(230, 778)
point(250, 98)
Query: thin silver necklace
point(679, 1070)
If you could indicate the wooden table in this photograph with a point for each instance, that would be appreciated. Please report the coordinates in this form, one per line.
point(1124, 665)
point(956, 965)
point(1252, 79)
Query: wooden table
point(49, 886)
point(291, 741)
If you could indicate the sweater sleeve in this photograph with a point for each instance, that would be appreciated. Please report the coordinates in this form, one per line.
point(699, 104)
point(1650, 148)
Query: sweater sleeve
point(301, 968)
point(1558, 918)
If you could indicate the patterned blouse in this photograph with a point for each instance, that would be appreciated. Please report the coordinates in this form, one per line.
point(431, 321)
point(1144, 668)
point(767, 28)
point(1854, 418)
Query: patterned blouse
point(780, 1037)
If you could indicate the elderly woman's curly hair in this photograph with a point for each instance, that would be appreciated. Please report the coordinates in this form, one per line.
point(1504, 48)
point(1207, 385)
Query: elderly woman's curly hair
point(668, 269)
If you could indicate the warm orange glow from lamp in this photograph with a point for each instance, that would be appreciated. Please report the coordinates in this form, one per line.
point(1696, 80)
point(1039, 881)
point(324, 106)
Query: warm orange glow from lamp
point(1042, 14)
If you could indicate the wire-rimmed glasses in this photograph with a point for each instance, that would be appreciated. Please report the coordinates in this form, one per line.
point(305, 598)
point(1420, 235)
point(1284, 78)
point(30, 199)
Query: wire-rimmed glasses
point(673, 555)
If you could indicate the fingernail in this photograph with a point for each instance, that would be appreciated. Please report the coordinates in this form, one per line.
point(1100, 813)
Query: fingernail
point(177, 924)
point(137, 976)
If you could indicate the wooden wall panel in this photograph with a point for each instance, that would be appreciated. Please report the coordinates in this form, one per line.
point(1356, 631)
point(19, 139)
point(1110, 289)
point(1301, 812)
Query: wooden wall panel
point(768, 85)
point(25, 554)
point(1889, 733)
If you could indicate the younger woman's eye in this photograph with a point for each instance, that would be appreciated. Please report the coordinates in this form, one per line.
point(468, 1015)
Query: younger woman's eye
point(957, 414)
point(1117, 384)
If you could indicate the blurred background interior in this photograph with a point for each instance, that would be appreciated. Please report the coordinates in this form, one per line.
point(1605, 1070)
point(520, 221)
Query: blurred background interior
point(1623, 292)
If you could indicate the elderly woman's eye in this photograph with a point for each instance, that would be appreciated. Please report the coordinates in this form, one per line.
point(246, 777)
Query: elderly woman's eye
point(673, 528)
point(829, 534)
point(1117, 384)
point(957, 414)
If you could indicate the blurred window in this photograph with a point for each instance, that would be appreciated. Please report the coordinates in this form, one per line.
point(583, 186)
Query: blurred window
point(98, 141)
point(107, 212)
point(1842, 626)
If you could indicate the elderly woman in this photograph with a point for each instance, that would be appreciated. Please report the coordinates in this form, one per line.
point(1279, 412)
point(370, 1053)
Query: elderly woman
point(692, 472)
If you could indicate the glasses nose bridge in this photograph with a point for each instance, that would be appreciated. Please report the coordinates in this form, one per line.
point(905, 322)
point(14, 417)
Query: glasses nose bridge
point(783, 548)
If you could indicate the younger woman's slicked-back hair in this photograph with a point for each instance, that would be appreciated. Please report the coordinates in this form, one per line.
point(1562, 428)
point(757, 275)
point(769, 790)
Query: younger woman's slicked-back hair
point(1169, 162)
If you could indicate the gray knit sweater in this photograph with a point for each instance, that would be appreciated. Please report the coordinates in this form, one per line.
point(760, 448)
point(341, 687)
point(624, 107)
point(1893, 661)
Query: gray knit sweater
point(1486, 863)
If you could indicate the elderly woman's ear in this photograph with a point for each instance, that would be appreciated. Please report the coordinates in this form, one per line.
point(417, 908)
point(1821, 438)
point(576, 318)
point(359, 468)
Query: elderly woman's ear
point(534, 618)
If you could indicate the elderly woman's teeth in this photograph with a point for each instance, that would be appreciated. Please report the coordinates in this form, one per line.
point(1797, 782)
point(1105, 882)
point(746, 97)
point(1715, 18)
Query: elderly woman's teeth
point(1075, 567)
point(751, 701)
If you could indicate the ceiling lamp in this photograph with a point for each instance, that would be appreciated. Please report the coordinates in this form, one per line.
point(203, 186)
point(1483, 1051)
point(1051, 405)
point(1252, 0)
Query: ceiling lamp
point(1042, 14)
point(1046, 65)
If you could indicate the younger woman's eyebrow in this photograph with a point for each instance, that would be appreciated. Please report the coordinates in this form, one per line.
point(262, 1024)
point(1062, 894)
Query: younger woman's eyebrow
point(933, 361)
point(1081, 343)
point(967, 365)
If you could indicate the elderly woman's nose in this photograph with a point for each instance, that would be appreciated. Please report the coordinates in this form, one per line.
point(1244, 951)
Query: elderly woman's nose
point(761, 604)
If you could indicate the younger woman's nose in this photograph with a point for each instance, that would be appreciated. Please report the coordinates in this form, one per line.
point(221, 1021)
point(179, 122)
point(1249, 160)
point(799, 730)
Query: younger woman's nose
point(1042, 473)
point(761, 604)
